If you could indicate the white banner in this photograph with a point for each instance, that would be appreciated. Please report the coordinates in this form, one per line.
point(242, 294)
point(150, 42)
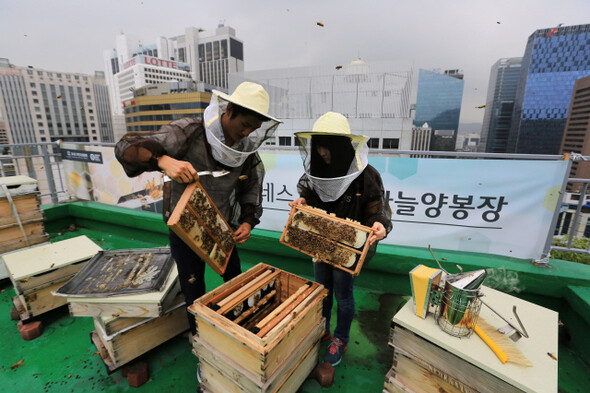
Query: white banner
point(502, 207)
point(107, 182)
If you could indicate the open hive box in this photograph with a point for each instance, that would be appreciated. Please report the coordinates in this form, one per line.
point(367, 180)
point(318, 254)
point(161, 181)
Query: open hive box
point(37, 271)
point(199, 224)
point(129, 283)
point(259, 332)
point(120, 340)
point(21, 218)
point(339, 242)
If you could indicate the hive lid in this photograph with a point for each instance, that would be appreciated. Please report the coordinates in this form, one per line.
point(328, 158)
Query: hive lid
point(41, 259)
point(121, 272)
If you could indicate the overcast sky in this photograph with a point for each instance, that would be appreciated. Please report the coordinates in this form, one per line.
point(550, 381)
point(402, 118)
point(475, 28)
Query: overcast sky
point(70, 35)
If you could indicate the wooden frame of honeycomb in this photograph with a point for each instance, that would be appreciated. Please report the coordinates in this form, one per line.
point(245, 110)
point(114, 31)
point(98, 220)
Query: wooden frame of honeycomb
point(339, 242)
point(198, 222)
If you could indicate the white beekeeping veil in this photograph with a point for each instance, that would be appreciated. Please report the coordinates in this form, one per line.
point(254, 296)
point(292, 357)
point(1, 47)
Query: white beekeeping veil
point(248, 95)
point(349, 155)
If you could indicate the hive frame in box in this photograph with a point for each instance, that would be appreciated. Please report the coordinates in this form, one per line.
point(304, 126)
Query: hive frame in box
point(361, 253)
point(179, 222)
point(262, 357)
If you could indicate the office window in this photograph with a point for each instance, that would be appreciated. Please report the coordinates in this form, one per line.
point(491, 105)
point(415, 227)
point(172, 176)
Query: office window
point(390, 143)
point(223, 53)
point(284, 141)
point(208, 51)
point(236, 48)
point(215, 50)
point(373, 143)
point(201, 52)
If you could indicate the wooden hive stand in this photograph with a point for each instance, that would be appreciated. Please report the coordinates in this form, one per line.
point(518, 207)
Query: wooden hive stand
point(259, 332)
point(339, 242)
point(198, 222)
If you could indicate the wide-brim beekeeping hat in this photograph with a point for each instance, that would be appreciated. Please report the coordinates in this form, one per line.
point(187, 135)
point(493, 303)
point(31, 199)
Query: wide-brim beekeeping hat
point(251, 96)
point(332, 123)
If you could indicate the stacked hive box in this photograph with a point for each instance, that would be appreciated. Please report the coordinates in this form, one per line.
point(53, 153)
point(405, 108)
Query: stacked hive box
point(119, 339)
point(258, 332)
point(129, 325)
point(426, 359)
point(37, 271)
point(21, 218)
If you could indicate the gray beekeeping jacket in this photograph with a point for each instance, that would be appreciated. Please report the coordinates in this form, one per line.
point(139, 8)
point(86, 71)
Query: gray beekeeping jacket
point(237, 195)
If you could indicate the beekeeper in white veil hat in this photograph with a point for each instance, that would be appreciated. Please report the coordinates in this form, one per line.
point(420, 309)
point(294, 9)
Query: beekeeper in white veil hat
point(224, 140)
point(231, 143)
point(339, 180)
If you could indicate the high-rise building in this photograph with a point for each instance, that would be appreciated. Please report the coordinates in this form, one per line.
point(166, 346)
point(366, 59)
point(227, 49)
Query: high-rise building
point(438, 103)
point(553, 60)
point(576, 138)
point(44, 106)
point(375, 97)
point(159, 104)
point(203, 56)
point(499, 108)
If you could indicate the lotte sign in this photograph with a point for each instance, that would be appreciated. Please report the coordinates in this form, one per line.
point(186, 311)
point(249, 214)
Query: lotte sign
point(155, 61)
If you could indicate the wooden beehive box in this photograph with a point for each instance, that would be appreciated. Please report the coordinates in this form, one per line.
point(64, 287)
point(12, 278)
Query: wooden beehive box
point(21, 218)
point(140, 282)
point(259, 332)
point(422, 348)
point(199, 224)
point(120, 340)
point(339, 242)
point(37, 271)
point(143, 305)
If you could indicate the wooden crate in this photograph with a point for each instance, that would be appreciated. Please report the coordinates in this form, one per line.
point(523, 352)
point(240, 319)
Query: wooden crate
point(339, 242)
point(262, 329)
point(201, 226)
point(143, 305)
point(136, 336)
point(21, 218)
point(36, 272)
point(468, 364)
point(407, 376)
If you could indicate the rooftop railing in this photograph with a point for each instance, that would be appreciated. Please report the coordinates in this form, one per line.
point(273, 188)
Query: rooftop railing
point(45, 163)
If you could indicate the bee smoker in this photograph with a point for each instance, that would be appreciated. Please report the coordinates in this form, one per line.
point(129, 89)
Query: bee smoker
point(454, 299)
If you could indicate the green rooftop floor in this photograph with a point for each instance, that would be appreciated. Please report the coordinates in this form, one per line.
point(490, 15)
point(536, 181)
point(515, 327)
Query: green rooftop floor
point(63, 359)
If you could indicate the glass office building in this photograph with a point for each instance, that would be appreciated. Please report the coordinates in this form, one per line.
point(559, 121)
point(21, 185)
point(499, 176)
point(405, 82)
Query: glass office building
point(438, 103)
point(497, 119)
point(554, 58)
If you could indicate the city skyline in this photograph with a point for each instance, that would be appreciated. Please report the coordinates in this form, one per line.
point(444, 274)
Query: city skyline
point(466, 35)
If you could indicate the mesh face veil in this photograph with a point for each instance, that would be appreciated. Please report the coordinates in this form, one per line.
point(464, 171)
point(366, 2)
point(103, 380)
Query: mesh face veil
point(348, 159)
point(235, 155)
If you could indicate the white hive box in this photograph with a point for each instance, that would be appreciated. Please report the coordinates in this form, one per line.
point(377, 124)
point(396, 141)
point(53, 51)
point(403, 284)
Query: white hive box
point(21, 218)
point(37, 271)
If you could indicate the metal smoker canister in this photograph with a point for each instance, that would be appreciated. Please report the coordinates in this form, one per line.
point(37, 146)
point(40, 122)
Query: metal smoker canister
point(459, 307)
